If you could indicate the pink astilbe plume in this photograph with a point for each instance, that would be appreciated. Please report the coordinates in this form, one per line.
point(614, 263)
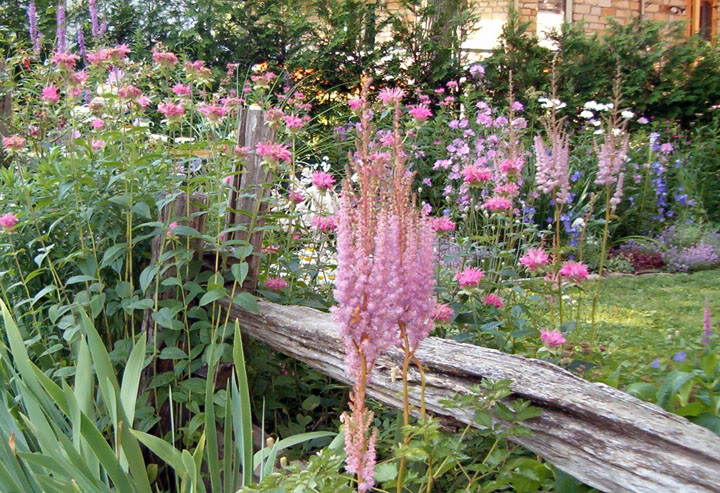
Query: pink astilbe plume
point(707, 332)
point(384, 281)
point(551, 172)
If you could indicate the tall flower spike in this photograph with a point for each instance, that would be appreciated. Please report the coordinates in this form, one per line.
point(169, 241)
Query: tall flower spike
point(706, 324)
point(94, 26)
point(61, 27)
point(384, 281)
point(32, 25)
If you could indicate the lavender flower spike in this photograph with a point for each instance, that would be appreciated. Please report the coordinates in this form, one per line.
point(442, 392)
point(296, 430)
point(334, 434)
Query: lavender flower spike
point(32, 22)
point(95, 27)
point(707, 326)
point(81, 43)
point(61, 27)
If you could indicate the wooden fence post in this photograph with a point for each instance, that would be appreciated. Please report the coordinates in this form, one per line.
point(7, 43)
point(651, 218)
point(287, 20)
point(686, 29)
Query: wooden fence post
point(246, 205)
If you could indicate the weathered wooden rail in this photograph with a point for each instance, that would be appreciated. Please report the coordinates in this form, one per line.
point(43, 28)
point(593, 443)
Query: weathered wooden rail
point(602, 436)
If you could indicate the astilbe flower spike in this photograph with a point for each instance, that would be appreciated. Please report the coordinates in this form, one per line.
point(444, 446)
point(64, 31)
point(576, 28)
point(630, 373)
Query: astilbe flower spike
point(552, 165)
point(384, 280)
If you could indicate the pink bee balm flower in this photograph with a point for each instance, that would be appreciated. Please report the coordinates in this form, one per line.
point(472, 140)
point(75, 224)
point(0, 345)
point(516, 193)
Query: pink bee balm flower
point(273, 153)
point(443, 313)
point(325, 223)
point(296, 196)
point(181, 90)
point(213, 113)
point(65, 61)
point(497, 204)
point(442, 223)
point(97, 123)
point(476, 174)
point(165, 58)
point(143, 101)
point(493, 300)
point(118, 53)
point(97, 144)
point(511, 166)
point(14, 142)
point(534, 258)
point(98, 57)
point(228, 180)
point(173, 112)
point(471, 276)
point(129, 92)
point(293, 122)
point(171, 228)
point(576, 271)
point(8, 221)
point(275, 284)
point(388, 96)
point(420, 112)
point(50, 94)
point(355, 104)
point(322, 180)
point(552, 338)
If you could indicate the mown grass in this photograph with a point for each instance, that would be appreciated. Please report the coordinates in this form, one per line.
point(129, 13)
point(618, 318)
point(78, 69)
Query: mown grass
point(641, 318)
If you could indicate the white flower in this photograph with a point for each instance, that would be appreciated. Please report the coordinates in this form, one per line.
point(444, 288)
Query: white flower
point(595, 123)
point(184, 140)
point(551, 103)
point(627, 114)
point(616, 131)
point(158, 138)
point(586, 114)
point(591, 105)
point(578, 223)
point(597, 132)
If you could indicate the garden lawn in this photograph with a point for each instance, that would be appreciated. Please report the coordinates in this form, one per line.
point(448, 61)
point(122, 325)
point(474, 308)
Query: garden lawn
point(641, 318)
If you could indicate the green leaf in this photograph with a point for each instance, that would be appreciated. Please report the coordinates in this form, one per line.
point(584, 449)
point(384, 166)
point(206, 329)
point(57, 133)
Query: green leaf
point(240, 271)
point(147, 275)
point(242, 420)
point(670, 386)
point(42, 293)
point(386, 472)
point(213, 295)
point(142, 209)
point(247, 302)
point(172, 353)
point(131, 378)
point(77, 279)
point(112, 254)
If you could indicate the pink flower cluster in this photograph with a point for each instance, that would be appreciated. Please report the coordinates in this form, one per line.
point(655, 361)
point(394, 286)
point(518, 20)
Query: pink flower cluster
point(213, 113)
point(325, 223)
point(420, 112)
point(576, 271)
point(552, 338)
point(469, 277)
point(443, 313)
point(8, 221)
point(275, 284)
point(322, 180)
point(273, 153)
point(474, 174)
point(493, 300)
point(173, 112)
point(498, 203)
point(65, 61)
point(13, 142)
point(165, 59)
point(51, 94)
point(391, 96)
point(442, 224)
point(534, 258)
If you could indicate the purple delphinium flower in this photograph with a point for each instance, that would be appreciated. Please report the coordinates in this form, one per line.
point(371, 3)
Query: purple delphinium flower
point(61, 27)
point(95, 28)
point(32, 24)
point(680, 357)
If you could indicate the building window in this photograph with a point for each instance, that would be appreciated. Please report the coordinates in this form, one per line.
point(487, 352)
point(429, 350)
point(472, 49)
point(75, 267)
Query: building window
point(702, 18)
